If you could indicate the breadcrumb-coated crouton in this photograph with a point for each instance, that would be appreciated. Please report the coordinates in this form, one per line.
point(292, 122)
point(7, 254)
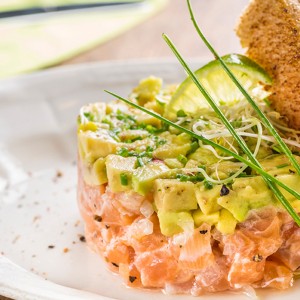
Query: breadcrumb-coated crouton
point(270, 29)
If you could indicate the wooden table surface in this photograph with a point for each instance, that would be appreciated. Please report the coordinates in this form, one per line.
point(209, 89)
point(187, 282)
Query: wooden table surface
point(217, 18)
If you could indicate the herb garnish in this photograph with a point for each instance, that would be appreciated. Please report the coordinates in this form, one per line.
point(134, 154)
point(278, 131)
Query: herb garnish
point(124, 179)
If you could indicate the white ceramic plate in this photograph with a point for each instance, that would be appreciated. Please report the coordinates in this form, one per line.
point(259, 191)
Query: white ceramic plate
point(42, 256)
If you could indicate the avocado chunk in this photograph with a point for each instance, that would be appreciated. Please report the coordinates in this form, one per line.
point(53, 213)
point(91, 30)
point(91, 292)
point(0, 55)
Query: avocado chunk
point(223, 169)
point(170, 151)
point(246, 194)
point(293, 182)
point(204, 157)
point(147, 89)
point(174, 222)
point(278, 164)
point(226, 223)
point(143, 177)
point(93, 145)
point(200, 218)
point(173, 163)
point(208, 198)
point(119, 172)
point(96, 173)
point(173, 195)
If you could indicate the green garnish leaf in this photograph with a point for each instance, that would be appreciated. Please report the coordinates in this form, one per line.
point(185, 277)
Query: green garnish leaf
point(89, 116)
point(194, 147)
point(140, 162)
point(124, 179)
point(208, 185)
point(182, 159)
point(181, 113)
point(282, 166)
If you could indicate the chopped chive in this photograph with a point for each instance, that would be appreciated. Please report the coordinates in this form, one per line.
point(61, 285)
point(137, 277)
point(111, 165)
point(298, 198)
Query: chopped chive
point(181, 113)
point(140, 162)
point(271, 178)
point(182, 177)
point(89, 116)
point(208, 185)
point(123, 152)
point(282, 166)
point(194, 147)
point(124, 179)
point(262, 116)
point(182, 159)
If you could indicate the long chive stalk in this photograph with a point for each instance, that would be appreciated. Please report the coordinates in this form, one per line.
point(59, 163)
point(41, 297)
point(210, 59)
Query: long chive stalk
point(259, 170)
point(262, 116)
point(240, 141)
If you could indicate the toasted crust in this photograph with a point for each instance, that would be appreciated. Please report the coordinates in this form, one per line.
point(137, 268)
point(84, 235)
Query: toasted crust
point(270, 30)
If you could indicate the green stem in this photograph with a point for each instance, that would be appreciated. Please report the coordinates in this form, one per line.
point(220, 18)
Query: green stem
point(270, 178)
point(262, 116)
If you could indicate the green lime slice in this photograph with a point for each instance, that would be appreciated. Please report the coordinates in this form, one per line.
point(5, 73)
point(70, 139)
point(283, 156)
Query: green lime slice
point(217, 83)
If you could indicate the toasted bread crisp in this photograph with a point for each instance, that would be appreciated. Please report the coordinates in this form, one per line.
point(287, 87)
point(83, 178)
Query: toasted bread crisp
point(270, 30)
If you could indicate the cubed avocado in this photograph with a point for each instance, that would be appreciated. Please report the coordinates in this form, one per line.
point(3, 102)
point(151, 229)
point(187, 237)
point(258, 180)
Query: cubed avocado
point(144, 118)
point(238, 206)
point(174, 222)
point(278, 164)
point(293, 182)
point(226, 223)
point(173, 163)
point(246, 194)
point(147, 89)
point(171, 151)
point(255, 189)
point(133, 134)
point(200, 218)
point(93, 145)
point(143, 177)
point(95, 174)
point(223, 170)
point(207, 198)
point(173, 195)
point(204, 157)
point(182, 139)
point(119, 172)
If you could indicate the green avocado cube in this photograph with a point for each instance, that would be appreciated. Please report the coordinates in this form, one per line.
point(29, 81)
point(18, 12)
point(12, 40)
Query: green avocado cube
point(293, 182)
point(226, 223)
point(200, 218)
point(204, 157)
point(143, 177)
point(93, 145)
point(147, 89)
point(171, 151)
point(173, 195)
point(95, 174)
point(239, 207)
point(119, 172)
point(255, 191)
point(207, 198)
point(174, 222)
point(246, 194)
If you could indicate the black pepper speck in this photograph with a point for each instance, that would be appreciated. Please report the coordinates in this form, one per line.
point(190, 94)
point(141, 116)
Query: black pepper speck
point(224, 190)
point(132, 279)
